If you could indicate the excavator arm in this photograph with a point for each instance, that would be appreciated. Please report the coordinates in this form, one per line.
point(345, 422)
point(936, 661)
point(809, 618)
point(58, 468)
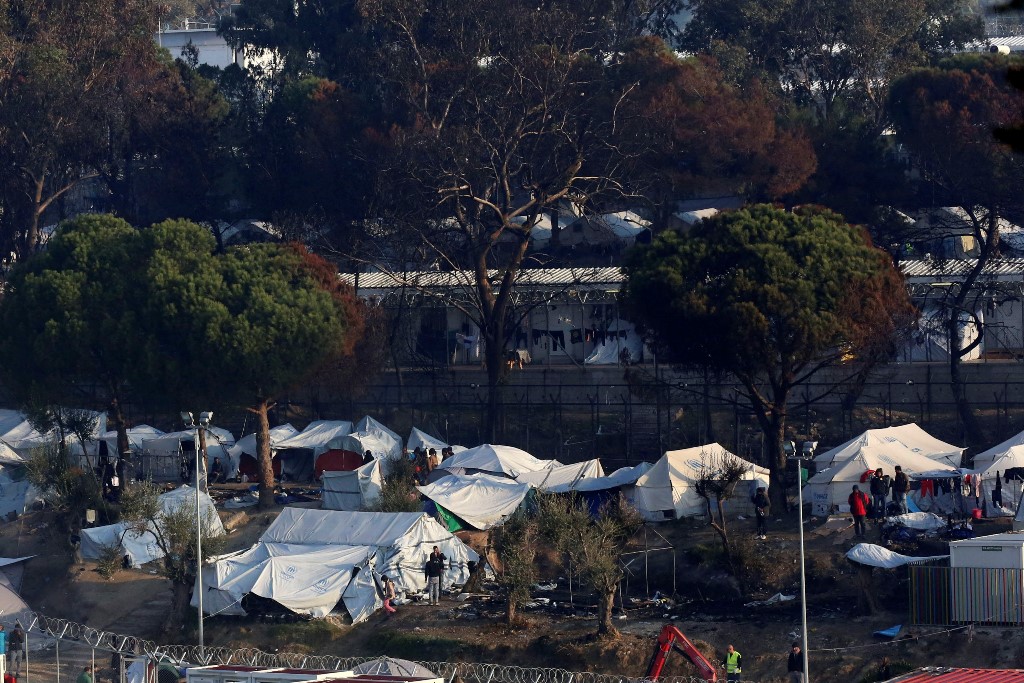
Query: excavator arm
point(671, 638)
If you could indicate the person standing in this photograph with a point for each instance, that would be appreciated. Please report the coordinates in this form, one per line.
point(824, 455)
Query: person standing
point(879, 491)
point(16, 649)
point(733, 664)
point(900, 488)
point(390, 594)
point(85, 676)
point(859, 504)
point(435, 570)
point(796, 664)
point(762, 507)
point(997, 492)
point(3, 653)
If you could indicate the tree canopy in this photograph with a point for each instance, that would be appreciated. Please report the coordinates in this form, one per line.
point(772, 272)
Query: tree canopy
point(771, 297)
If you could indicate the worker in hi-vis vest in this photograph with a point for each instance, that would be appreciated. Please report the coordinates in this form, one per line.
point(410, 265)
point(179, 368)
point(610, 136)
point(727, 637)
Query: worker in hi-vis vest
point(733, 664)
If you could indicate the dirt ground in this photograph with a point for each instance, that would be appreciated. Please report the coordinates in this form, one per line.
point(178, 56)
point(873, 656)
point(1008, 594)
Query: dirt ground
point(710, 607)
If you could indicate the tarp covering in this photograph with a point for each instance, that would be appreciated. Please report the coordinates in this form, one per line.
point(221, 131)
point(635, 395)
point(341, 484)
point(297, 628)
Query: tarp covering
point(832, 486)
point(16, 493)
point(562, 478)
point(896, 441)
point(666, 490)
point(306, 559)
point(482, 501)
point(8, 456)
point(353, 490)
point(12, 571)
point(921, 521)
point(420, 439)
point(143, 548)
point(876, 556)
point(624, 476)
point(14, 609)
point(500, 460)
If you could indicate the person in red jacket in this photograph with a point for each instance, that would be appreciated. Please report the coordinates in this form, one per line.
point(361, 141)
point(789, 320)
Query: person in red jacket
point(859, 505)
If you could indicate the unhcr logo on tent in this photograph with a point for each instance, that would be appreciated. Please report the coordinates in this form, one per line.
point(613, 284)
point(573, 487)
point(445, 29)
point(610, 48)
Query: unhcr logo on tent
point(320, 586)
point(289, 572)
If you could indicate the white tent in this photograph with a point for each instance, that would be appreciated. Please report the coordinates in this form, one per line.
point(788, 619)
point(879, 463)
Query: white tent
point(499, 460)
point(380, 444)
point(16, 495)
point(136, 436)
point(19, 434)
point(143, 548)
point(480, 500)
point(170, 444)
point(666, 490)
point(12, 571)
point(562, 478)
point(8, 456)
point(832, 486)
point(896, 441)
point(306, 561)
point(13, 609)
point(1002, 456)
point(368, 424)
point(421, 439)
point(621, 337)
point(298, 454)
point(247, 446)
point(354, 490)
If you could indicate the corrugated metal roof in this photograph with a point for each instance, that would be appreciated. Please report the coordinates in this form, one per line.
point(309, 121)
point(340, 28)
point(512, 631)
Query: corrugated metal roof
point(527, 277)
point(932, 268)
point(949, 675)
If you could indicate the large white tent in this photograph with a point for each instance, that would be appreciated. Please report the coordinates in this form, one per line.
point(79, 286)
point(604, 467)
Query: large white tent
point(562, 478)
point(666, 490)
point(16, 494)
point(298, 454)
point(1003, 456)
point(622, 477)
point(832, 486)
point(380, 444)
point(505, 461)
point(481, 501)
point(143, 548)
point(352, 490)
point(368, 424)
point(897, 441)
point(307, 560)
point(218, 441)
point(421, 439)
point(8, 456)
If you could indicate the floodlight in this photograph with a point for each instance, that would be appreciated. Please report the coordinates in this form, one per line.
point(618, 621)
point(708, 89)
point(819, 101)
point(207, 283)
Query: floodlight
point(187, 419)
point(205, 418)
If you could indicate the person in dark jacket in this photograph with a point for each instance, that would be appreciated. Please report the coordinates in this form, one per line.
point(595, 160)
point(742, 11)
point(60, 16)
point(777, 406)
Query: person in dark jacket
point(997, 492)
point(900, 489)
point(879, 492)
point(435, 570)
point(859, 505)
point(796, 664)
point(762, 507)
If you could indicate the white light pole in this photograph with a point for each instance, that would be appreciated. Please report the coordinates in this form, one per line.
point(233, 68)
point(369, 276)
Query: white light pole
point(204, 421)
point(803, 577)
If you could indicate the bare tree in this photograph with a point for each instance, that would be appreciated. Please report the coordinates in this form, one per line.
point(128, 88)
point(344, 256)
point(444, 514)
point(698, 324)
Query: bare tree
point(716, 483)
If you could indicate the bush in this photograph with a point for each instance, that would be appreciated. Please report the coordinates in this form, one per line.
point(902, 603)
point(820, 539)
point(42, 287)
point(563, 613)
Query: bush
point(398, 494)
point(109, 562)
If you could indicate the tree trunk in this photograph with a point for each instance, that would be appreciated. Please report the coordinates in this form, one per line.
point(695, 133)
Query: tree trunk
point(972, 429)
point(494, 357)
point(266, 463)
point(181, 595)
point(605, 605)
point(510, 611)
point(774, 437)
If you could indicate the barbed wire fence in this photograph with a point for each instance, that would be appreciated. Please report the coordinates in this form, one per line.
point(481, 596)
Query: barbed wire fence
point(59, 649)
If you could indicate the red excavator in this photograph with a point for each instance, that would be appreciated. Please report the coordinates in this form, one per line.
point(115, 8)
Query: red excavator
point(670, 639)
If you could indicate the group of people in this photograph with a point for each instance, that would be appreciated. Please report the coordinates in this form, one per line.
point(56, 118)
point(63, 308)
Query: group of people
point(433, 568)
point(880, 485)
point(425, 461)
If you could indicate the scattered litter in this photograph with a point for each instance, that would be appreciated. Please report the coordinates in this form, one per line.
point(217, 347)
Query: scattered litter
point(544, 586)
point(775, 599)
point(794, 634)
point(740, 517)
point(890, 632)
point(621, 617)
